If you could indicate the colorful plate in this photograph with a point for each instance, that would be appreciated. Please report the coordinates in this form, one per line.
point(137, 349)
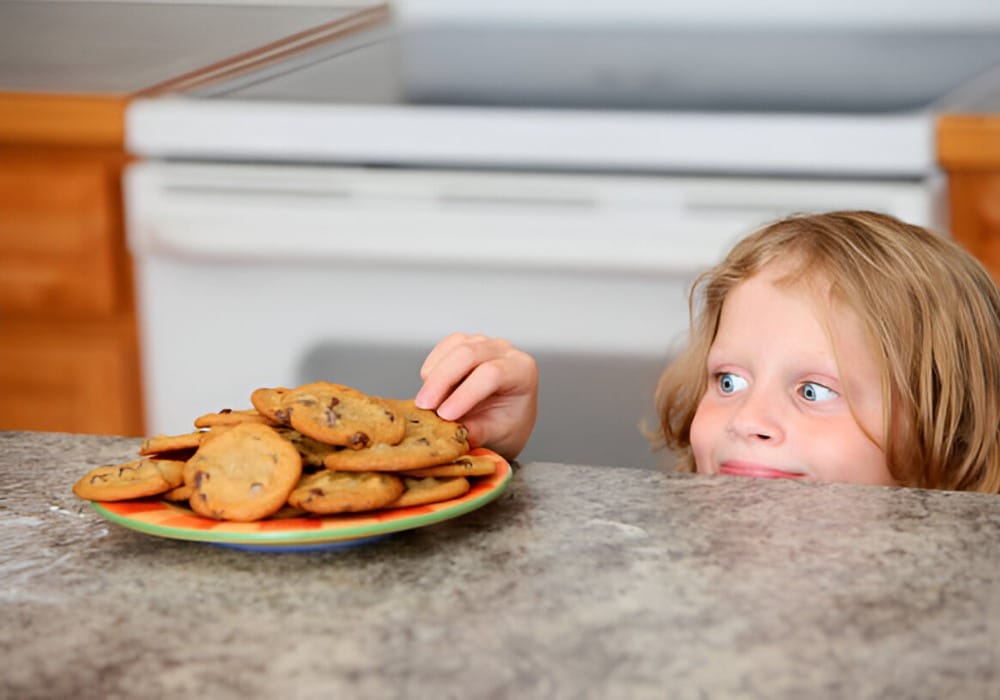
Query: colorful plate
point(176, 521)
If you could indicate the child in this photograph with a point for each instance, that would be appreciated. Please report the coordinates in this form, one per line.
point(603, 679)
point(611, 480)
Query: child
point(846, 347)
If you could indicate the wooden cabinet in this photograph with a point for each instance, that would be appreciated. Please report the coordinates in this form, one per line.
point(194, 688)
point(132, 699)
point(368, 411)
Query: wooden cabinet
point(69, 356)
point(968, 149)
point(69, 376)
point(58, 235)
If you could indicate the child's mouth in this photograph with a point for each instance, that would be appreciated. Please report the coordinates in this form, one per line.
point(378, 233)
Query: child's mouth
point(757, 470)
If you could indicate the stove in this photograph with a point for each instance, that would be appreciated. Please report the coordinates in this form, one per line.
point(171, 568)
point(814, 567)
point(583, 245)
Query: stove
point(559, 183)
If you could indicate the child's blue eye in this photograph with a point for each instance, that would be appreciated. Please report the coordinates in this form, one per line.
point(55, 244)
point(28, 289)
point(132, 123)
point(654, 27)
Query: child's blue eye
point(730, 383)
point(811, 391)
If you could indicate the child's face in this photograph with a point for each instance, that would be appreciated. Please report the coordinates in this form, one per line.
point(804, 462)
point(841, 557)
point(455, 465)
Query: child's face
point(776, 403)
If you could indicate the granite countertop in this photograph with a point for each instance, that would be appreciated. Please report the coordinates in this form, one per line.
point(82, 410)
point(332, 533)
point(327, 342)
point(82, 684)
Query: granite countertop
point(578, 581)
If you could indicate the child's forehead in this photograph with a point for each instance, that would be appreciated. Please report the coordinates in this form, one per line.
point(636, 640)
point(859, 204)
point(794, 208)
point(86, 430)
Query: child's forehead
point(796, 275)
point(848, 334)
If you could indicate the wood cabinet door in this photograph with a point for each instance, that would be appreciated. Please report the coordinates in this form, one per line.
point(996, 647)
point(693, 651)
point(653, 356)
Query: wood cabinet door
point(68, 347)
point(975, 215)
point(68, 377)
point(60, 235)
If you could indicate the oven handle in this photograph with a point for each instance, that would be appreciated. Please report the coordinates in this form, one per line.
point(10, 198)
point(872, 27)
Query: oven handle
point(627, 246)
point(514, 229)
point(531, 221)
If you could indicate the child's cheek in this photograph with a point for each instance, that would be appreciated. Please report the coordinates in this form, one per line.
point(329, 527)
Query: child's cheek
point(702, 430)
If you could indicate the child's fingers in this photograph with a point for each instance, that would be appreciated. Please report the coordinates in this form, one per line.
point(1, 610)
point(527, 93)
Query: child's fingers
point(487, 384)
point(485, 380)
point(453, 363)
point(445, 348)
point(439, 351)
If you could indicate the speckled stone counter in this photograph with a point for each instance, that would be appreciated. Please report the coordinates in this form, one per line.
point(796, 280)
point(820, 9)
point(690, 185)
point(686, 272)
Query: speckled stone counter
point(578, 581)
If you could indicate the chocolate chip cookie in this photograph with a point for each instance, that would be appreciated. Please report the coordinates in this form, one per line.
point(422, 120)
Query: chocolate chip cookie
point(245, 473)
point(136, 479)
point(429, 441)
point(339, 415)
point(328, 492)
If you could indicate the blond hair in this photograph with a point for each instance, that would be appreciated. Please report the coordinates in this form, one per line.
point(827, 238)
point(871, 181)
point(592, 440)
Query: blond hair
point(932, 316)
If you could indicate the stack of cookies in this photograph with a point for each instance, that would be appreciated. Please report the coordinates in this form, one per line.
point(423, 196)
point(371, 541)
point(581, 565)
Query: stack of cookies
point(318, 449)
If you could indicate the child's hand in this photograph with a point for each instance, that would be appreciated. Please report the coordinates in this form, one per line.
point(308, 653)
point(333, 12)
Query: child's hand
point(488, 385)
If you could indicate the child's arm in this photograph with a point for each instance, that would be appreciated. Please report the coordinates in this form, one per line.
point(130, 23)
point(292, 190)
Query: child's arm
point(488, 385)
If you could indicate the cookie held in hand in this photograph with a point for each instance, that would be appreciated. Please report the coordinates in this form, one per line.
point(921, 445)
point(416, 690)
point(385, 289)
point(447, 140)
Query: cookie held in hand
point(339, 415)
point(429, 441)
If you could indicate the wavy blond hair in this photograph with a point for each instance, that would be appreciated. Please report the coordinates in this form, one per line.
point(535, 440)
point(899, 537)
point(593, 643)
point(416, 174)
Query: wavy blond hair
point(932, 316)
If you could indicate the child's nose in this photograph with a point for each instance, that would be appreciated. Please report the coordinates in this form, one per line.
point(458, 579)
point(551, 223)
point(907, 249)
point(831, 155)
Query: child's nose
point(756, 418)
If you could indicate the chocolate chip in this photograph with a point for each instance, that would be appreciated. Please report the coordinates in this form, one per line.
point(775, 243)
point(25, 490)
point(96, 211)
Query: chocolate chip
point(226, 410)
point(359, 440)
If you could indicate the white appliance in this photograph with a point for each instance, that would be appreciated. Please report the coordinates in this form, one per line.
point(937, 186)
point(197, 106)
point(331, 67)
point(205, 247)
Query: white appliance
point(268, 275)
point(284, 232)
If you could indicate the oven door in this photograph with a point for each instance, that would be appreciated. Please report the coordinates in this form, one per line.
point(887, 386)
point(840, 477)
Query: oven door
point(252, 276)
